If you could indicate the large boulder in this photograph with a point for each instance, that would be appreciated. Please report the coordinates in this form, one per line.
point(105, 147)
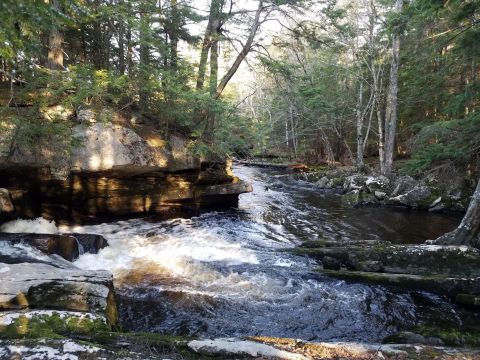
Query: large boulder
point(359, 198)
point(377, 183)
point(403, 184)
point(68, 246)
point(324, 183)
point(63, 245)
point(355, 182)
point(90, 243)
point(418, 196)
point(31, 279)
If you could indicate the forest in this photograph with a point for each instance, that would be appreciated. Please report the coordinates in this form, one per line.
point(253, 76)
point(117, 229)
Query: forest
point(332, 82)
point(264, 179)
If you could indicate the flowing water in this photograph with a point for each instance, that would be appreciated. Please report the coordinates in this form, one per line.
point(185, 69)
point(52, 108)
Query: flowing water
point(227, 273)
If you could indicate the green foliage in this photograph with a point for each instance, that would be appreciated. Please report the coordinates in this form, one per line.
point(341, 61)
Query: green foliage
point(445, 141)
point(440, 106)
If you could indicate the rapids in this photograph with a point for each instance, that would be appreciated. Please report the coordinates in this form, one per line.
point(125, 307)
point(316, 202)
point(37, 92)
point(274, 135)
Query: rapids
point(226, 273)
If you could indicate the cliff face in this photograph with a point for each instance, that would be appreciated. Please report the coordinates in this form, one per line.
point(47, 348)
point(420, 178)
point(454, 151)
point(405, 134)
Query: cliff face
point(114, 168)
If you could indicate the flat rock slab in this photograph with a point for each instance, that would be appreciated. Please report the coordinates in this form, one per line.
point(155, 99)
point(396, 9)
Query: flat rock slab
point(291, 349)
point(451, 261)
point(41, 285)
point(451, 286)
point(68, 350)
point(9, 317)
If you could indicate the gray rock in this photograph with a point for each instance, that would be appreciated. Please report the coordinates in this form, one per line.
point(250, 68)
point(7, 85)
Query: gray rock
point(402, 185)
point(359, 198)
point(44, 286)
point(86, 116)
point(331, 263)
point(103, 147)
point(408, 337)
point(355, 182)
point(68, 246)
point(65, 246)
point(324, 183)
point(437, 208)
point(377, 183)
point(379, 195)
point(368, 265)
point(436, 202)
point(30, 278)
point(90, 243)
point(415, 197)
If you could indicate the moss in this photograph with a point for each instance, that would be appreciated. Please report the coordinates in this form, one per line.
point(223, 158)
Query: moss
point(51, 326)
point(467, 299)
point(95, 332)
point(338, 181)
point(451, 336)
point(314, 244)
point(436, 284)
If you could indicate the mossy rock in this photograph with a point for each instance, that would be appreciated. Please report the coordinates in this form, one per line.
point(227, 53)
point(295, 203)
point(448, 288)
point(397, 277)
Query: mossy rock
point(436, 284)
point(467, 299)
point(401, 259)
point(452, 336)
point(54, 325)
point(91, 330)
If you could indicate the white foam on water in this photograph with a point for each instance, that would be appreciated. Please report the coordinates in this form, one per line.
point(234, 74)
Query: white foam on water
point(35, 226)
point(284, 263)
point(175, 251)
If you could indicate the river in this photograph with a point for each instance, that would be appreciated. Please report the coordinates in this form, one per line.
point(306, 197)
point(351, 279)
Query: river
point(226, 273)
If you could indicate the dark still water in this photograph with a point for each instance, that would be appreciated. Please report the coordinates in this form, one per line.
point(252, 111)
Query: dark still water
point(226, 274)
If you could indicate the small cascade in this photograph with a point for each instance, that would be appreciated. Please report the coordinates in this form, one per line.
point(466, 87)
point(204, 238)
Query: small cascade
point(227, 273)
point(81, 249)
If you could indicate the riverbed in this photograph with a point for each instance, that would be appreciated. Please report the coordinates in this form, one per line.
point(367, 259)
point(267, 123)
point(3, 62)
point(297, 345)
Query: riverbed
point(229, 273)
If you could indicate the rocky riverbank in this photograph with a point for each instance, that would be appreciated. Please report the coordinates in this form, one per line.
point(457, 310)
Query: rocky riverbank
point(112, 164)
point(430, 193)
point(68, 335)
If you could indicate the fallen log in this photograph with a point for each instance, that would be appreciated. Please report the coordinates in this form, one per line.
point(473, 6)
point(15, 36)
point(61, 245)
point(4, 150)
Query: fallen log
point(296, 167)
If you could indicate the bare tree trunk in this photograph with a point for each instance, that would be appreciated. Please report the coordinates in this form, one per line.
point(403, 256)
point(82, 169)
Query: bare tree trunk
point(121, 41)
point(467, 233)
point(244, 52)
point(55, 45)
point(129, 59)
point(209, 131)
point(359, 118)
point(215, 9)
point(287, 142)
point(174, 37)
point(391, 110)
point(292, 126)
point(144, 57)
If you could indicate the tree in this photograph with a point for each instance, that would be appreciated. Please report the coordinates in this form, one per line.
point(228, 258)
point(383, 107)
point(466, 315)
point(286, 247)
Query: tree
point(55, 43)
point(467, 233)
point(391, 112)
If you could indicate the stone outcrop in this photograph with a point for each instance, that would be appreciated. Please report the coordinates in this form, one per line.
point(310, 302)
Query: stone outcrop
point(34, 276)
point(447, 270)
point(116, 168)
point(6, 206)
point(68, 246)
point(403, 191)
